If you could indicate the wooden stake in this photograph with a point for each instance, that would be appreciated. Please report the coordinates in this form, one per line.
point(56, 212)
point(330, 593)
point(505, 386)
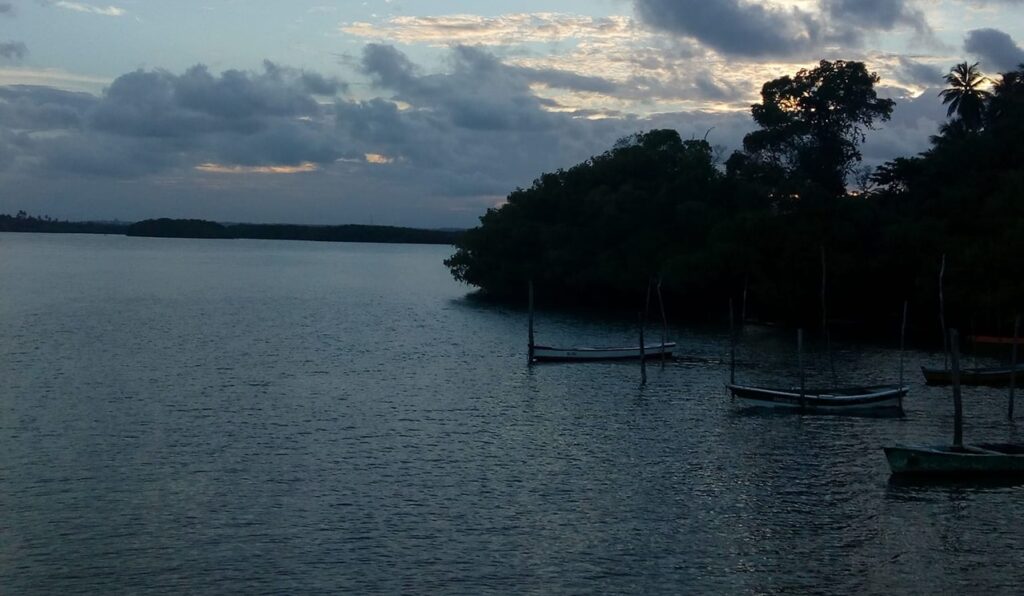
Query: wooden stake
point(942, 316)
point(643, 355)
point(958, 408)
point(743, 309)
point(824, 318)
point(664, 324)
point(732, 345)
point(530, 345)
point(800, 360)
point(903, 336)
point(1013, 364)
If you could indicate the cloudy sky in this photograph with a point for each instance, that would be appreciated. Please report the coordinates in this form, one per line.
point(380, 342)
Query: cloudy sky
point(420, 112)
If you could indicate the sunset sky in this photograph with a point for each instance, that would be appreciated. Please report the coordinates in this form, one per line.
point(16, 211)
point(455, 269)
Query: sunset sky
point(420, 112)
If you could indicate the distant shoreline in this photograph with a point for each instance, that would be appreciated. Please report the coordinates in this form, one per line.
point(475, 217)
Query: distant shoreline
point(198, 228)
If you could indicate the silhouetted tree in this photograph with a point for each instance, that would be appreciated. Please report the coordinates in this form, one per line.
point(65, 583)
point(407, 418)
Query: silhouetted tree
point(812, 125)
point(965, 95)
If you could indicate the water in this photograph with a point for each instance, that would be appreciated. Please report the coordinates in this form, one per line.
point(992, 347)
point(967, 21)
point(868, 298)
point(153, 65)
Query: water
point(287, 417)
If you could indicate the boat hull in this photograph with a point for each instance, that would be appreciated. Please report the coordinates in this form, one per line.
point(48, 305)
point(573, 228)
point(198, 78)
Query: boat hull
point(992, 377)
point(550, 354)
point(886, 398)
point(971, 461)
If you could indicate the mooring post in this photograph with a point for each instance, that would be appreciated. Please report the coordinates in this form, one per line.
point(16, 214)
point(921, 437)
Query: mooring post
point(732, 345)
point(1013, 364)
point(958, 408)
point(903, 340)
point(800, 360)
point(942, 316)
point(643, 355)
point(824, 317)
point(664, 324)
point(530, 345)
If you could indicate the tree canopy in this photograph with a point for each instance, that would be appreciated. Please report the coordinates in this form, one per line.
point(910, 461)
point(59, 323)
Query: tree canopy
point(811, 125)
point(658, 205)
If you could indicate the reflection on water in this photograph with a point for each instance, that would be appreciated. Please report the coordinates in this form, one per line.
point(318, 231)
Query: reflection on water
point(277, 417)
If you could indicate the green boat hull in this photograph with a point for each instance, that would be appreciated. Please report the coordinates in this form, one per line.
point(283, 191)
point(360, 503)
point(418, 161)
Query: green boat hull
point(980, 460)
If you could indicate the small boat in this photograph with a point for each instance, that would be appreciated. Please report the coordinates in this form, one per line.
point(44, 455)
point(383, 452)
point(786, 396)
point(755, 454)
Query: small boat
point(996, 376)
point(995, 339)
point(980, 459)
point(550, 354)
point(876, 399)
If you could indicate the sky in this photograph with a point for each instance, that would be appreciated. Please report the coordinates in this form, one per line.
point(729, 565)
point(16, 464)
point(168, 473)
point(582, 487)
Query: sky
point(421, 113)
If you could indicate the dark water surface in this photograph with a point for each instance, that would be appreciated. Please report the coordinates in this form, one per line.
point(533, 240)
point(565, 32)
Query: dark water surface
point(287, 417)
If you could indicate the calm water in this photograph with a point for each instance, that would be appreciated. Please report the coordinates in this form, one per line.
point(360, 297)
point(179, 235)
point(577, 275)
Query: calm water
point(285, 417)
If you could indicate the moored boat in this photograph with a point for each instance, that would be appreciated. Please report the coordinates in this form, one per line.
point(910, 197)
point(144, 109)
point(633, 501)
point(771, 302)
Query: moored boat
point(995, 376)
point(586, 354)
point(853, 400)
point(981, 459)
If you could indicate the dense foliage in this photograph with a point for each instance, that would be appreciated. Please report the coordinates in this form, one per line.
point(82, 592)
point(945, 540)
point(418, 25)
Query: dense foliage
point(658, 206)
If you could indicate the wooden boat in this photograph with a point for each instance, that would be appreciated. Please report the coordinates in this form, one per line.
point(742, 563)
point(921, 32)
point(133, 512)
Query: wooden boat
point(981, 459)
point(996, 376)
point(550, 354)
point(995, 339)
point(876, 399)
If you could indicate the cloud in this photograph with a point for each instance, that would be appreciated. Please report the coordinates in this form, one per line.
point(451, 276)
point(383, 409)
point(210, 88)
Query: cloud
point(149, 121)
point(995, 48)
point(107, 11)
point(6, 9)
point(215, 168)
point(917, 73)
point(745, 28)
point(508, 29)
point(736, 27)
point(13, 50)
point(883, 15)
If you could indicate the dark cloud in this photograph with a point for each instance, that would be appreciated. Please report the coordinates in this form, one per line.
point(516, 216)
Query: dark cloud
point(6, 9)
point(479, 93)
point(752, 29)
point(13, 50)
point(42, 109)
point(996, 49)
point(883, 15)
point(148, 121)
point(735, 27)
point(917, 73)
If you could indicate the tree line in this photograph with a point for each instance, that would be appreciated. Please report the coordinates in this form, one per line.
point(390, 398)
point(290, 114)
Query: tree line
point(761, 227)
point(199, 228)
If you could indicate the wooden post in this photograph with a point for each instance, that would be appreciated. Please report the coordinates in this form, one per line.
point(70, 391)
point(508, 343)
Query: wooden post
point(942, 316)
point(732, 345)
point(958, 408)
point(800, 360)
point(530, 346)
point(664, 324)
point(824, 318)
point(743, 309)
point(643, 355)
point(903, 338)
point(1013, 364)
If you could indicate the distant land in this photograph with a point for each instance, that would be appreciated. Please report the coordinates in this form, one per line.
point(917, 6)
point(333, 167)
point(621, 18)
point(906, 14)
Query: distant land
point(198, 228)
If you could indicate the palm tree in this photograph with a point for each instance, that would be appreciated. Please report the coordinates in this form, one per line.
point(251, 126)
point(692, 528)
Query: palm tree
point(965, 95)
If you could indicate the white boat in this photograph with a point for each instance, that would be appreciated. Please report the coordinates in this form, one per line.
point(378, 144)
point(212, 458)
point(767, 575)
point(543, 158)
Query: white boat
point(876, 399)
point(551, 354)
